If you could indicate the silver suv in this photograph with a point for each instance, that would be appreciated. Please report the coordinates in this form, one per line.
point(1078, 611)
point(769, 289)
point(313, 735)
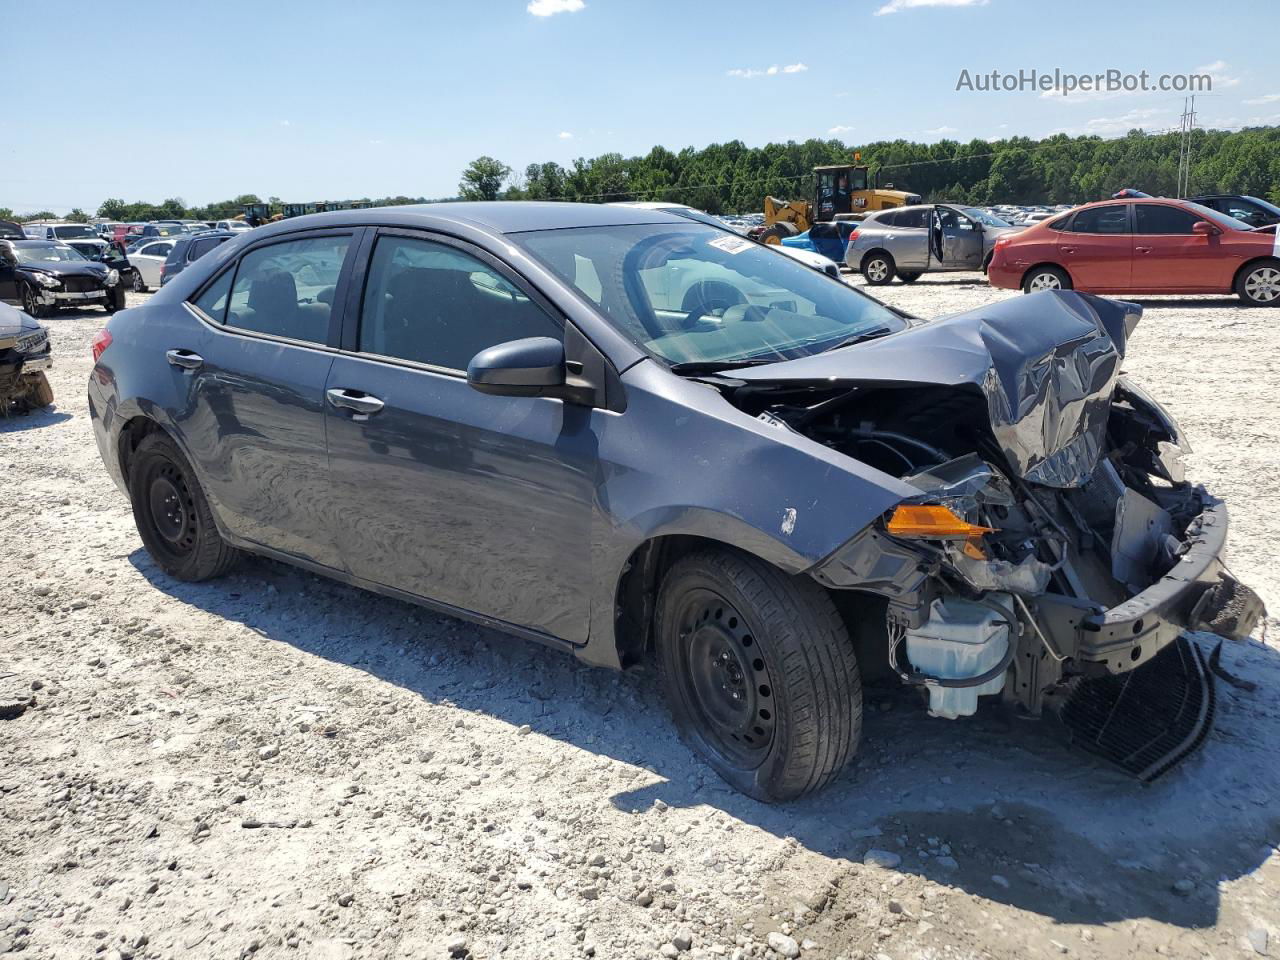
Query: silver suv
point(908, 241)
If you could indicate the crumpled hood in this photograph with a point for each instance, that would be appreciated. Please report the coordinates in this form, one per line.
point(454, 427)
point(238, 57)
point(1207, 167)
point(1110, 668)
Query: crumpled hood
point(68, 268)
point(1047, 364)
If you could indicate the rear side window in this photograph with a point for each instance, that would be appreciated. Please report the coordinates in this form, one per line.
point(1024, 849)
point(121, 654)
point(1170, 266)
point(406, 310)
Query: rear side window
point(213, 302)
point(157, 249)
point(1158, 218)
point(1102, 220)
point(200, 247)
point(889, 219)
point(1060, 223)
point(287, 289)
point(435, 304)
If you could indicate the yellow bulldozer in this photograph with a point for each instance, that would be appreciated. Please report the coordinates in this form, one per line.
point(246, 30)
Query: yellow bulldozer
point(840, 192)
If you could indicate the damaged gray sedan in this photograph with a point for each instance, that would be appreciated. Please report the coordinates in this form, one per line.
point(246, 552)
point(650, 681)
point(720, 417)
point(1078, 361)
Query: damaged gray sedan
point(632, 436)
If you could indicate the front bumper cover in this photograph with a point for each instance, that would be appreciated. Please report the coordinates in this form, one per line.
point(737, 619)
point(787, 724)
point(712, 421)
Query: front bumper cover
point(1191, 596)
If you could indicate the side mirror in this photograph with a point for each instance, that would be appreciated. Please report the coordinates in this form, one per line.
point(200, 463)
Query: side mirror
point(1203, 228)
point(519, 368)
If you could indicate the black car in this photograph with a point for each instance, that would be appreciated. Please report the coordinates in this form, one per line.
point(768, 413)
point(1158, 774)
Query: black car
point(633, 436)
point(11, 231)
point(187, 250)
point(24, 358)
point(114, 257)
point(1251, 210)
point(43, 275)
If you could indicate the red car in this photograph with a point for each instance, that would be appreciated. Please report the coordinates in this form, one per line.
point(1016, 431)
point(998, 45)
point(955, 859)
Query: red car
point(1141, 246)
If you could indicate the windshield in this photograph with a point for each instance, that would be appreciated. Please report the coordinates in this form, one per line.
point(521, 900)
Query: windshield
point(58, 252)
point(697, 215)
point(75, 231)
point(694, 294)
point(990, 219)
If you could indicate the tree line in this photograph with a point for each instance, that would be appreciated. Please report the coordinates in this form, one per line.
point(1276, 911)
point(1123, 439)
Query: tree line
point(734, 178)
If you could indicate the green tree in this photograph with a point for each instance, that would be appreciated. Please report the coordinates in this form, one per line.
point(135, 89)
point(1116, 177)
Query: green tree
point(77, 216)
point(483, 179)
point(112, 209)
point(6, 213)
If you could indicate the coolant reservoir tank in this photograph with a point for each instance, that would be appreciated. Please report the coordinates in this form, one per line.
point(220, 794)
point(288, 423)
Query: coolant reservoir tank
point(960, 639)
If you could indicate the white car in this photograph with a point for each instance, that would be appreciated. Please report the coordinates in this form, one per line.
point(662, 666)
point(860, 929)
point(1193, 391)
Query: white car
point(148, 258)
point(237, 226)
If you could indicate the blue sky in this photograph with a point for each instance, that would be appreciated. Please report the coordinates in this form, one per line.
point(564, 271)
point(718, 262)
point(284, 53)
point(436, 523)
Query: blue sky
point(321, 99)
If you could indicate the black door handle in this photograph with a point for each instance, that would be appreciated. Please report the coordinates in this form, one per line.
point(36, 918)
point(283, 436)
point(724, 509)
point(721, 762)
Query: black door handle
point(361, 403)
point(184, 359)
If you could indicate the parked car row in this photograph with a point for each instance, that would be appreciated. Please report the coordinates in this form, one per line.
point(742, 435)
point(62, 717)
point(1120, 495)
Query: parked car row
point(1136, 244)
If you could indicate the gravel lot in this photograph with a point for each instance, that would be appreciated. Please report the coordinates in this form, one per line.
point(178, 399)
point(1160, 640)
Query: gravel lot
point(277, 765)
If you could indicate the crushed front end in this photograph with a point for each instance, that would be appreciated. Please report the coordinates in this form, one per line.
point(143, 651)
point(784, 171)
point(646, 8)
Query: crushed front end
point(1054, 544)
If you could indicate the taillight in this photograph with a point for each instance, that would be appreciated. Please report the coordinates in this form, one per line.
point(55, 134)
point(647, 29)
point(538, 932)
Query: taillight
point(162, 266)
point(1003, 241)
point(100, 343)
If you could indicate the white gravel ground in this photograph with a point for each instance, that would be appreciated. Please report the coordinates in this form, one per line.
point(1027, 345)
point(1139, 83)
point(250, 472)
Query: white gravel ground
point(277, 765)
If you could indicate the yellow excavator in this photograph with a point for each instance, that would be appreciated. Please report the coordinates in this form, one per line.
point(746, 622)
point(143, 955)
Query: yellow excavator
point(840, 192)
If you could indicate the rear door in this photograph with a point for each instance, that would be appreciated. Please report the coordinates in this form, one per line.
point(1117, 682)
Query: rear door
point(149, 258)
point(1167, 255)
point(254, 371)
point(1097, 248)
point(476, 501)
point(906, 237)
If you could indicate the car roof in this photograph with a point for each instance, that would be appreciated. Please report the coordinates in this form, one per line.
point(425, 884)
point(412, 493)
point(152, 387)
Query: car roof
point(33, 242)
point(496, 216)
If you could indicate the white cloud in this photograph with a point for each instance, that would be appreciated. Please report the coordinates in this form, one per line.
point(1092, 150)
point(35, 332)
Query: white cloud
point(897, 6)
point(943, 131)
point(284, 123)
point(1218, 71)
point(750, 72)
point(1265, 98)
point(549, 8)
point(841, 128)
point(566, 135)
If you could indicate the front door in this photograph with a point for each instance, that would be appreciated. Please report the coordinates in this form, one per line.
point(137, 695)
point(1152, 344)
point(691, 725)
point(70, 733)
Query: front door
point(1097, 248)
point(958, 240)
point(480, 502)
point(1167, 255)
point(254, 415)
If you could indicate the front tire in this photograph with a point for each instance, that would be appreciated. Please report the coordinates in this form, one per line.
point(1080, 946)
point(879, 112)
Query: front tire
point(30, 304)
point(759, 674)
point(172, 514)
point(909, 277)
point(878, 269)
point(1045, 278)
point(1259, 284)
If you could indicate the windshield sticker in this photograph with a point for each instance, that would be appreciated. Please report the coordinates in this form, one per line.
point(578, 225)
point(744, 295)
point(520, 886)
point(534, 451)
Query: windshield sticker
point(731, 244)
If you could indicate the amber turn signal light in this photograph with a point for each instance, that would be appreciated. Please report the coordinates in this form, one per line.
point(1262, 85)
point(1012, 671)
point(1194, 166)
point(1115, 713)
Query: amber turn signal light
point(932, 522)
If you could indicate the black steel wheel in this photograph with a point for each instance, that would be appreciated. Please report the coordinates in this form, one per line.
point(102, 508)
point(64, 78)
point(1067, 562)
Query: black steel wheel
point(172, 515)
point(759, 673)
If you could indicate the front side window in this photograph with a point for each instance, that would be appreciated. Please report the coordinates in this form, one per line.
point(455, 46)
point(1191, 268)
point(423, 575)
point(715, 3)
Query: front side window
point(1156, 218)
point(202, 246)
point(691, 294)
point(287, 289)
point(1114, 219)
point(432, 303)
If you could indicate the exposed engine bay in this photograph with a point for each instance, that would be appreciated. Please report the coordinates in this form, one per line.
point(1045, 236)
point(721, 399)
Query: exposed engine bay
point(1053, 539)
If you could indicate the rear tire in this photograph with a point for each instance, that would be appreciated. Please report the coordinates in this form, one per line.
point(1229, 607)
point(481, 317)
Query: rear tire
point(878, 268)
point(138, 285)
point(172, 514)
point(1258, 285)
point(759, 674)
point(1045, 278)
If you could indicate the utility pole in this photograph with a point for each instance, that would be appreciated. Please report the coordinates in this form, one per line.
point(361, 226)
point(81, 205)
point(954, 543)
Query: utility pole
point(1188, 125)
